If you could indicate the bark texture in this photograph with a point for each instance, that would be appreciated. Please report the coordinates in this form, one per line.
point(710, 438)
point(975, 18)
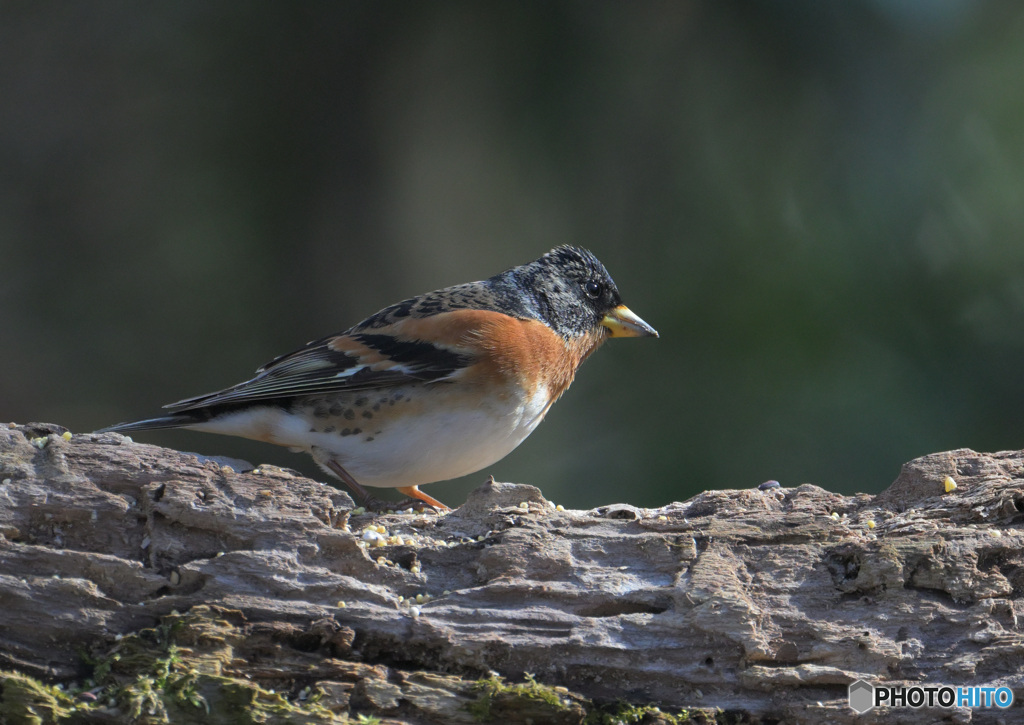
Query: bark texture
point(155, 586)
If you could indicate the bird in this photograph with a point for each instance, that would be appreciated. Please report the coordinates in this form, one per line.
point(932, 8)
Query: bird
point(431, 388)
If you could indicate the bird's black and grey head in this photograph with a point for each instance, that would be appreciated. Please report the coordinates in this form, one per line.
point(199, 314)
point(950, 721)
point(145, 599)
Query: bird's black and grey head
point(568, 289)
point(572, 292)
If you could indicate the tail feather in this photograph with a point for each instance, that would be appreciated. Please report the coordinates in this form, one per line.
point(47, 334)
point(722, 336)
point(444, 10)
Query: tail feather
point(178, 420)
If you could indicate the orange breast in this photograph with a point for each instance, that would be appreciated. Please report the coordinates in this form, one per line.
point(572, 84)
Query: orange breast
point(530, 353)
point(510, 350)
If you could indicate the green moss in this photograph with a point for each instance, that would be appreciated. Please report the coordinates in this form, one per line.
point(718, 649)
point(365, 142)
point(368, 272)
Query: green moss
point(626, 714)
point(27, 701)
point(151, 678)
point(496, 699)
point(156, 679)
point(199, 698)
point(499, 701)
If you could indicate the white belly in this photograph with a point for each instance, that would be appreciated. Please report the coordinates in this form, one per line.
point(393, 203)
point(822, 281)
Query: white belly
point(442, 440)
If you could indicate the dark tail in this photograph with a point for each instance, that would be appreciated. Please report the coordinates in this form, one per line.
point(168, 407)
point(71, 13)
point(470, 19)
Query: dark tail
point(177, 420)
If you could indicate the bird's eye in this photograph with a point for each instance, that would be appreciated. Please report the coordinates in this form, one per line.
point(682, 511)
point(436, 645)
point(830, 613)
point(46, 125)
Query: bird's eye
point(593, 289)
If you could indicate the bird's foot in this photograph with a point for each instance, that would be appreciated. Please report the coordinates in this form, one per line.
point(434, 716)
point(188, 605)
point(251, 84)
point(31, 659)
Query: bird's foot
point(417, 499)
point(383, 506)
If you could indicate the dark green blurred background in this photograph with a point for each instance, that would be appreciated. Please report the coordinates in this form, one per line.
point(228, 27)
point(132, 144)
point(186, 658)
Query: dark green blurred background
point(820, 206)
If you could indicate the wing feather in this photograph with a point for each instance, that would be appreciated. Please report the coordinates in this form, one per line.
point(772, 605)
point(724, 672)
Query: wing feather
point(340, 363)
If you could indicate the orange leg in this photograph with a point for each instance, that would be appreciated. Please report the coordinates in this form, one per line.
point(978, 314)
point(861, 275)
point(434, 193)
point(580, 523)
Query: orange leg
point(371, 502)
point(414, 492)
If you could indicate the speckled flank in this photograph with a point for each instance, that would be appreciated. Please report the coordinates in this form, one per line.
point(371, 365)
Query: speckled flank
point(401, 446)
point(337, 413)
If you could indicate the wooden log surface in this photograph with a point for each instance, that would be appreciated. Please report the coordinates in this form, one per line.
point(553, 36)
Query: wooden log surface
point(126, 566)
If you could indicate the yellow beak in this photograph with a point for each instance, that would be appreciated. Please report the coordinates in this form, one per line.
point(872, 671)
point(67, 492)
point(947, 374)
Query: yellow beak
point(623, 323)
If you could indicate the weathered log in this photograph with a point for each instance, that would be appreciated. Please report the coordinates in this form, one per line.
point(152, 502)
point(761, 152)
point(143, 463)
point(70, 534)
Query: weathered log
point(156, 586)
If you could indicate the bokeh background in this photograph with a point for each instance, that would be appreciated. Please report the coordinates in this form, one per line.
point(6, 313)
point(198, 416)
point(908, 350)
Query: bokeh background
point(820, 205)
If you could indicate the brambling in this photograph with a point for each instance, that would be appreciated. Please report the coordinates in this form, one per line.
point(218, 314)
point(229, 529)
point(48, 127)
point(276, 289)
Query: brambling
point(431, 388)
